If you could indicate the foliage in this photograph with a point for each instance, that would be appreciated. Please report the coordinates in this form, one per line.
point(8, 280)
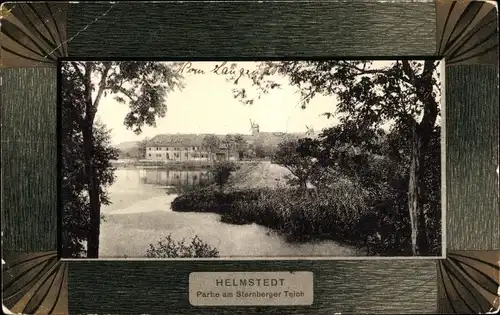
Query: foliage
point(141, 148)
point(141, 85)
point(260, 151)
point(327, 215)
point(366, 208)
point(169, 248)
point(228, 142)
point(371, 95)
point(240, 145)
point(401, 93)
point(211, 143)
point(263, 151)
point(74, 190)
point(210, 200)
point(381, 169)
point(298, 157)
point(221, 172)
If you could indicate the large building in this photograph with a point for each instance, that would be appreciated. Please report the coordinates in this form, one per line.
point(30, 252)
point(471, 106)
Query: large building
point(192, 147)
point(183, 147)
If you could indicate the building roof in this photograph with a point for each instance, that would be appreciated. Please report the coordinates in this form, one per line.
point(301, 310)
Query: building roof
point(173, 140)
point(190, 140)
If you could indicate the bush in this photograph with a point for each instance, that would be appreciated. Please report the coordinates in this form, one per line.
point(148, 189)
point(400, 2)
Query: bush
point(221, 172)
point(211, 200)
point(325, 214)
point(169, 248)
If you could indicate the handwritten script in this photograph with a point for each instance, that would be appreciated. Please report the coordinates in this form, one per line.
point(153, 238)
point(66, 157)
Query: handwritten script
point(231, 70)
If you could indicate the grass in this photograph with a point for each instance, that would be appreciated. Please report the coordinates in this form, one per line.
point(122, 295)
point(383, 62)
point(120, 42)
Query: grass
point(299, 216)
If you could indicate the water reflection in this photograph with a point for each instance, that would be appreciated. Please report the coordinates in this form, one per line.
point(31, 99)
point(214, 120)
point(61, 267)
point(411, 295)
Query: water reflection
point(174, 177)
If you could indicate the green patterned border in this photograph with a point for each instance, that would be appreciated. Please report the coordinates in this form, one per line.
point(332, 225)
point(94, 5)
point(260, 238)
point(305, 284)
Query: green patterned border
point(35, 35)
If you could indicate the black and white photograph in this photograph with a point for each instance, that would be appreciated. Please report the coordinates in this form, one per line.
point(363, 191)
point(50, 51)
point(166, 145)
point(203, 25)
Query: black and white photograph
point(280, 159)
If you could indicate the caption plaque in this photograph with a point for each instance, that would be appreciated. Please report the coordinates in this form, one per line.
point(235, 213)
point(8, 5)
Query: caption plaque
point(251, 288)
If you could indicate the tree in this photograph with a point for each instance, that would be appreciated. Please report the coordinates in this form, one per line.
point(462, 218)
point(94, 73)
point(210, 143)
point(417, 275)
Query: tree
point(298, 157)
point(211, 143)
point(348, 148)
point(402, 92)
point(141, 85)
point(141, 148)
point(241, 146)
point(74, 193)
point(221, 172)
point(228, 142)
point(259, 150)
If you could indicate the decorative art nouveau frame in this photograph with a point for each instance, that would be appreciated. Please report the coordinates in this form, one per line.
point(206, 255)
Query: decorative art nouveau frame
point(35, 35)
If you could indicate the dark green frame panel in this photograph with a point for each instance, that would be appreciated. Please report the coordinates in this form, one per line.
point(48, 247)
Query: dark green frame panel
point(472, 120)
point(251, 29)
point(464, 32)
point(158, 287)
point(29, 159)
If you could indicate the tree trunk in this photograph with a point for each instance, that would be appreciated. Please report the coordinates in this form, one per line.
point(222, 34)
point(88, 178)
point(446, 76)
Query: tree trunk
point(424, 89)
point(419, 240)
point(93, 191)
point(91, 179)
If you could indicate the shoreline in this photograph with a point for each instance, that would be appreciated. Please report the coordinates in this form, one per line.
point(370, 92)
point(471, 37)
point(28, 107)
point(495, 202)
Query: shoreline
point(176, 165)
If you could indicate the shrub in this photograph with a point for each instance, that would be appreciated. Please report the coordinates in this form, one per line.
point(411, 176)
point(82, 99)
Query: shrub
point(325, 214)
point(221, 172)
point(169, 248)
point(211, 200)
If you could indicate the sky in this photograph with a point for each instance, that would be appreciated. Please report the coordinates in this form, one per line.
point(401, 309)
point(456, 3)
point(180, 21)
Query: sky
point(206, 105)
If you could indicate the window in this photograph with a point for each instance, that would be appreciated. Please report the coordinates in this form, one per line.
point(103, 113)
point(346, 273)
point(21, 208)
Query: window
point(149, 153)
point(186, 154)
point(149, 149)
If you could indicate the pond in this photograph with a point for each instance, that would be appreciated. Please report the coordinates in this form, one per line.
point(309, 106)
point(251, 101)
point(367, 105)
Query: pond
point(140, 215)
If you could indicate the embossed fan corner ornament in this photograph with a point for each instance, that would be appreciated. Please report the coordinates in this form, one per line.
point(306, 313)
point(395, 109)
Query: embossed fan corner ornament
point(496, 303)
